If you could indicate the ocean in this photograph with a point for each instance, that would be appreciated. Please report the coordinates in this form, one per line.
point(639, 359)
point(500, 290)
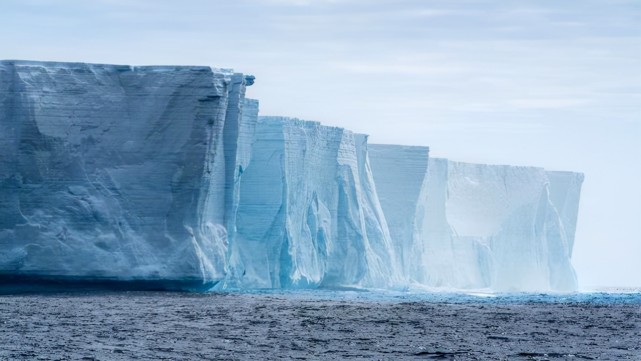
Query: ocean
point(319, 325)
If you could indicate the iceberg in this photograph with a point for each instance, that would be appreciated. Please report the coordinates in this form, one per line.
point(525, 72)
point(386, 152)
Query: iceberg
point(309, 214)
point(165, 177)
point(399, 173)
point(119, 173)
point(478, 226)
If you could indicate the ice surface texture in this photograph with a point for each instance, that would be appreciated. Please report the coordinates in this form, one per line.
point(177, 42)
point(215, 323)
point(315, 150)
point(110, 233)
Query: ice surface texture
point(309, 213)
point(477, 226)
point(166, 175)
point(399, 173)
point(118, 172)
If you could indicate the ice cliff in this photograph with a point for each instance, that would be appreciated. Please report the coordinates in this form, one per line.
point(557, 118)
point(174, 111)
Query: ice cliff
point(118, 172)
point(399, 173)
point(477, 226)
point(165, 177)
point(309, 214)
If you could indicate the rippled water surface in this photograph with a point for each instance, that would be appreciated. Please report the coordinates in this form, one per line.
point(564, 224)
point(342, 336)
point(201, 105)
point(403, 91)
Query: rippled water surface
point(319, 325)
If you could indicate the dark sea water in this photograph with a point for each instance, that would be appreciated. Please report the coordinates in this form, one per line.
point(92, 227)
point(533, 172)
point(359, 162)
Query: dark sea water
point(324, 325)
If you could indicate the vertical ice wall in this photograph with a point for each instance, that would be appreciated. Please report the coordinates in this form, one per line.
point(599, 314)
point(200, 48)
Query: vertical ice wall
point(505, 230)
point(399, 172)
point(239, 160)
point(116, 172)
point(489, 215)
point(165, 173)
point(475, 226)
point(309, 215)
point(565, 192)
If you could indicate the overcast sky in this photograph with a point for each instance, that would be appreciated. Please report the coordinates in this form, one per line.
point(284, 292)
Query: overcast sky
point(552, 83)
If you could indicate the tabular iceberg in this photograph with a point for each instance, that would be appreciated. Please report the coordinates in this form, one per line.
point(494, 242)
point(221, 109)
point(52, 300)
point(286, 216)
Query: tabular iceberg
point(472, 226)
point(166, 176)
point(117, 172)
point(309, 214)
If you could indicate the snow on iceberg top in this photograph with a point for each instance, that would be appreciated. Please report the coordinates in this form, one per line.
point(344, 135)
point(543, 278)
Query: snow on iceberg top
point(421, 149)
point(156, 68)
point(564, 173)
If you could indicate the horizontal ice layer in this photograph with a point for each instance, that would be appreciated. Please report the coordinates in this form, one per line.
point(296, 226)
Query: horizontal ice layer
point(117, 172)
point(473, 226)
point(309, 214)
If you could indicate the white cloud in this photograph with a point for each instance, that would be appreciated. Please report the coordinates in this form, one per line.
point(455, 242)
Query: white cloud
point(400, 68)
point(301, 2)
point(548, 103)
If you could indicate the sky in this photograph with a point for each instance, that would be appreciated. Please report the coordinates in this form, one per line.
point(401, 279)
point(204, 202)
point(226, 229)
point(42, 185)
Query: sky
point(554, 84)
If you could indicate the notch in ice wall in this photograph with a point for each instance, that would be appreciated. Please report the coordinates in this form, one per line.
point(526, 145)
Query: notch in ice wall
point(117, 172)
point(475, 226)
point(309, 214)
point(244, 133)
